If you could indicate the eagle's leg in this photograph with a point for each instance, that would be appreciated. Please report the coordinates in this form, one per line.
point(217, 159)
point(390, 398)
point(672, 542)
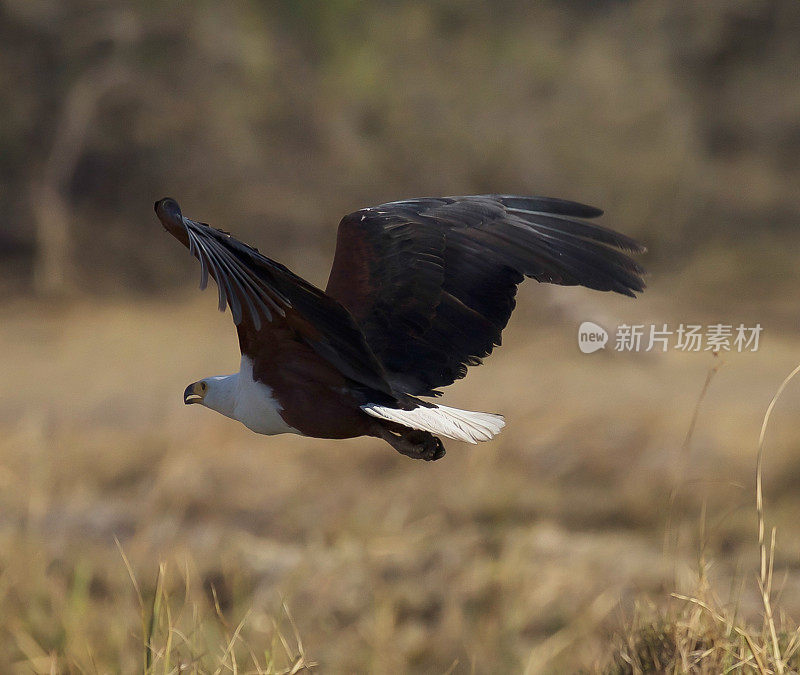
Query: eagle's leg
point(411, 442)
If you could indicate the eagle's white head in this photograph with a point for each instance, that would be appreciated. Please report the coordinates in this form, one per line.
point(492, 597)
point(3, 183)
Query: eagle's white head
point(241, 398)
point(218, 393)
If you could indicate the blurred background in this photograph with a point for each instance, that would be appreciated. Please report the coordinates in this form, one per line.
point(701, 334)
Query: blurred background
point(273, 120)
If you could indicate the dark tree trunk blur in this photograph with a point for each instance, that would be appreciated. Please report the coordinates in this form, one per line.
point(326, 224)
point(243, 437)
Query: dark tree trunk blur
point(54, 272)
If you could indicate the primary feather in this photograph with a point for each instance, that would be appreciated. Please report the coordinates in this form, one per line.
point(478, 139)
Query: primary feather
point(432, 282)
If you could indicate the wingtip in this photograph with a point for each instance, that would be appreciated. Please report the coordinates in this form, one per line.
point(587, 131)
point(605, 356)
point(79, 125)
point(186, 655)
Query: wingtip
point(631, 291)
point(167, 207)
point(632, 246)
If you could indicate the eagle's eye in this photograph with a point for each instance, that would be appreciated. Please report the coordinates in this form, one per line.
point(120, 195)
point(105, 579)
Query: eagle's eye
point(203, 387)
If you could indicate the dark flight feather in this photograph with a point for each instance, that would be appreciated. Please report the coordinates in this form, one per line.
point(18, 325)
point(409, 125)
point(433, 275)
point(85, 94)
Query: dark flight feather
point(432, 281)
point(265, 296)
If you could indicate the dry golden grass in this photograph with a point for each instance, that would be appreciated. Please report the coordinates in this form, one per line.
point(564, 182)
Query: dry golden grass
point(527, 554)
point(706, 637)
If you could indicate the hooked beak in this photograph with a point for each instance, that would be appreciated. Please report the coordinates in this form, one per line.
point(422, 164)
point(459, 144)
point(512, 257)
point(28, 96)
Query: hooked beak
point(192, 394)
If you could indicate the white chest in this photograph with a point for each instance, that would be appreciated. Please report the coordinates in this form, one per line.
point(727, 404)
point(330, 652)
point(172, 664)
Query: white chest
point(255, 405)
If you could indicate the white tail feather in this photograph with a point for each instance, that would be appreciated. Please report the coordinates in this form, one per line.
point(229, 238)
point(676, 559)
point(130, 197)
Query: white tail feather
point(460, 425)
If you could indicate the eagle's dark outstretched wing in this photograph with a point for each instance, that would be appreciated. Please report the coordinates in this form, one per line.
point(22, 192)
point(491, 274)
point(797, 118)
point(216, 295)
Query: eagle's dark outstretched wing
point(431, 282)
point(269, 303)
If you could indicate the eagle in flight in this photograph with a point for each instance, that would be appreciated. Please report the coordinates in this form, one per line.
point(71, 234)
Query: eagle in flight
point(419, 290)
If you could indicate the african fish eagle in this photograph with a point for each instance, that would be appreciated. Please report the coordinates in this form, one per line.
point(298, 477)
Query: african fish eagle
point(419, 290)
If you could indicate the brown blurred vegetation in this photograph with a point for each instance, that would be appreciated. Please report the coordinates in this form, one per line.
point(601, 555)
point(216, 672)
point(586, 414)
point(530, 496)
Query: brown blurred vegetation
point(274, 119)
